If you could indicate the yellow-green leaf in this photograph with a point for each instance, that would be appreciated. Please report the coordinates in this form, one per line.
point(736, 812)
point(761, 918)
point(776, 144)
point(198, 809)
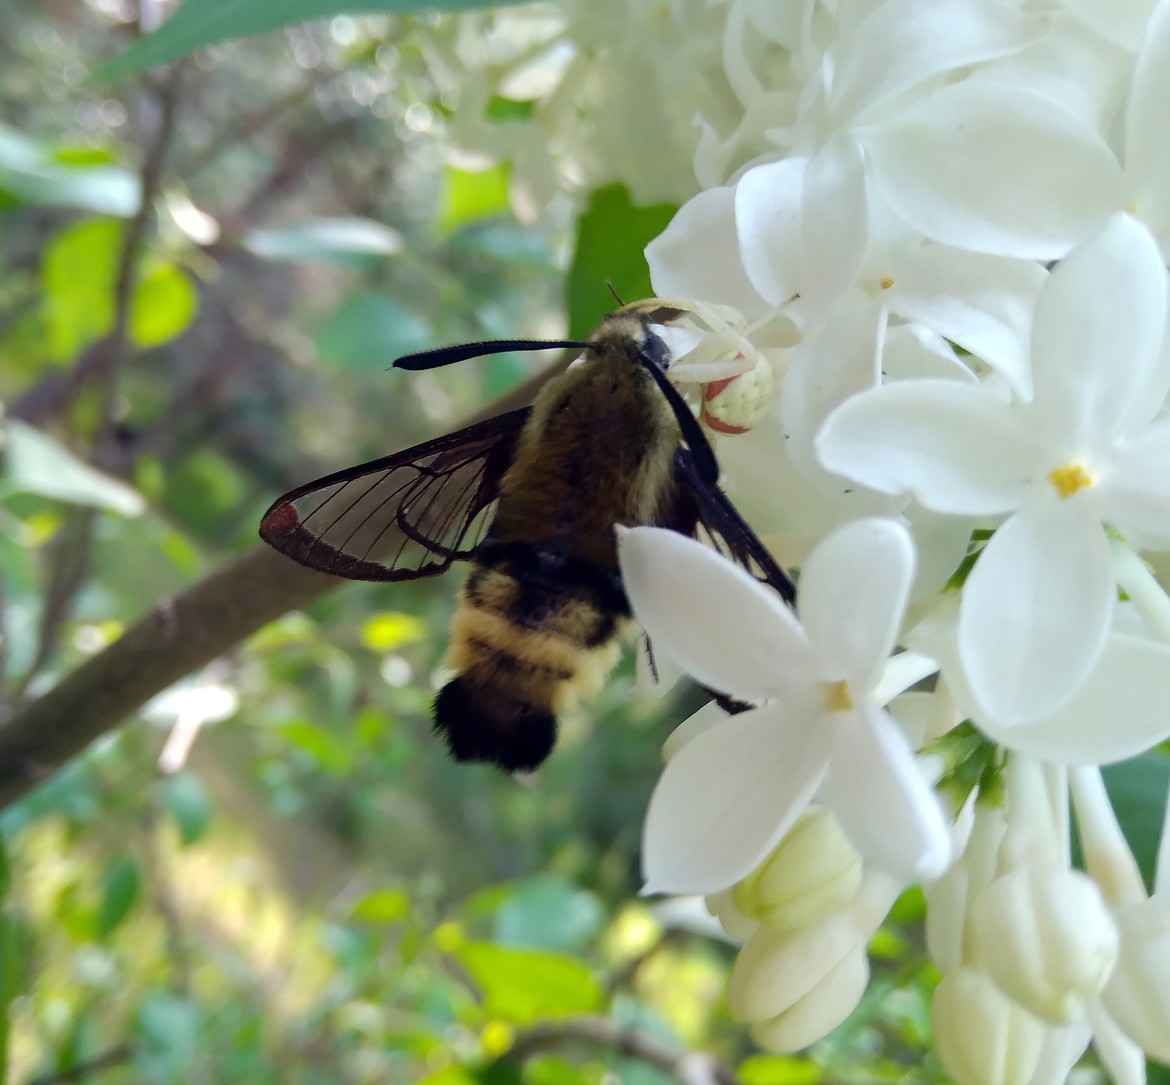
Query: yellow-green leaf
point(391, 629)
point(524, 985)
point(164, 304)
point(472, 196)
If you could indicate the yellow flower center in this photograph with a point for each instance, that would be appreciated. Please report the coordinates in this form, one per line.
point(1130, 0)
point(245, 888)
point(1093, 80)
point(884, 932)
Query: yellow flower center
point(1070, 478)
point(838, 698)
point(886, 283)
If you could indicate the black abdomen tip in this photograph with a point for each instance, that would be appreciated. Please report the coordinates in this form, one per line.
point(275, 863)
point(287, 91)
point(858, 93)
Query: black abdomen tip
point(481, 725)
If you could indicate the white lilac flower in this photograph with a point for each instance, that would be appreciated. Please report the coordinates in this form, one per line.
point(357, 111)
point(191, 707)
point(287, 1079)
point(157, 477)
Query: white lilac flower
point(734, 789)
point(1032, 949)
point(1087, 451)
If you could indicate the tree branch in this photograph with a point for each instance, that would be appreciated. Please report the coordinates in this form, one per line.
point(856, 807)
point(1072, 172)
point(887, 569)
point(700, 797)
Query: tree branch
point(687, 1067)
point(78, 1072)
point(178, 636)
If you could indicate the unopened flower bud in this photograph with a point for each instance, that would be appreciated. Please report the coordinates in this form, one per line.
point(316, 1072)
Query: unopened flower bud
point(812, 873)
point(1046, 938)
point(1138, 993)
point(981, 1035)
point(820, 1011)
point(737, 404)
point(776, 969)
point(737, 925)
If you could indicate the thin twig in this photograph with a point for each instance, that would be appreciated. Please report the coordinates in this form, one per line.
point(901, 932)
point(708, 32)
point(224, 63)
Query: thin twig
point(686, 1067)
point(73, 554)
point(81, 1070)
point(250, 124)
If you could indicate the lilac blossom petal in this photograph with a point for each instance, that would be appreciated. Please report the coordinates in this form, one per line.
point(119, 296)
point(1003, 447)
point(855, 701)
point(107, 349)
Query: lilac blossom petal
point(982, 303)
point(903, 43)
point(1097, 336)
point(1135, 494)
point(767, 218)
point(994, 169)
point(729, 795)
point(716, 621)
point(864, 570)
point(706, 224)
point(884, 804)
point(956, 448)
point(1035, 610)
point(1121, 710)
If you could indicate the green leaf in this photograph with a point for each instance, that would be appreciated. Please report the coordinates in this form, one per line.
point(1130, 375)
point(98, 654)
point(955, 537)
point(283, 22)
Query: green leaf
point(523, 985)
point(382, 906)
point(778, 1070)
point(391, 629)
point(186, 801)
point(77, 275)
point(611, 234)
point(168, 1028)
point(120, 887)
point(1137, 789)
point(547, 913)
point(553, 1070)
point(31, 173)
point(5, 876)
point(164, 304)
point(37, 464)
point(471, 196)
point(327, 752)
point(450, 1075)
point(358, 243)
point(200, 23)
point(368, 331)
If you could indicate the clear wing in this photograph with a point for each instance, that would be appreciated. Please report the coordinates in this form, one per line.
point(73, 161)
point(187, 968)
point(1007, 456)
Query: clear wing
point(404, 516)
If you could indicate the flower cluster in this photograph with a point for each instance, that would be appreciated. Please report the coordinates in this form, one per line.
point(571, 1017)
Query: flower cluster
point(946, 226)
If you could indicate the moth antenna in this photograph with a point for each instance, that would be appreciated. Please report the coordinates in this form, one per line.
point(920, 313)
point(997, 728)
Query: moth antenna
point(616, 296)
point(461, 352)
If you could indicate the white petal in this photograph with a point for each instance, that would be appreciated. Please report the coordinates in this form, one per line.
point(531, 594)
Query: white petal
point(957, 448)
point(1147, 151)
point(728, 796)
point(982, 303)
point(853, 590)
point(1035, 611)
point(711, 617)
point(836, 360)
point(994, 169)
point(767, 218)
point(884, 805)
point(1121, 710)
point(1118, 21)
point(1097, 335)
point(1135, 494)
point(903, 43)
point(710, 715)
point(834, 223)
point(696, 256)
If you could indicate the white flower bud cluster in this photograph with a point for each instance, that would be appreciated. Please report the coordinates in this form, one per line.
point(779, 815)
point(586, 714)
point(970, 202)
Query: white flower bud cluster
point(1037, 957)
point(806, 916)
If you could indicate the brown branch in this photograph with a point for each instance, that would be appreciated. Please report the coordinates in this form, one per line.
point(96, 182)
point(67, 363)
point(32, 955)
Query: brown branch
point(178, 636)
point(79, 1071)
point(686, 1067)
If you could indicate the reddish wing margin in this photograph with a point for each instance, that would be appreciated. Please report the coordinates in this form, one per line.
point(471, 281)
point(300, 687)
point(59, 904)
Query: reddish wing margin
point(405, 516)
